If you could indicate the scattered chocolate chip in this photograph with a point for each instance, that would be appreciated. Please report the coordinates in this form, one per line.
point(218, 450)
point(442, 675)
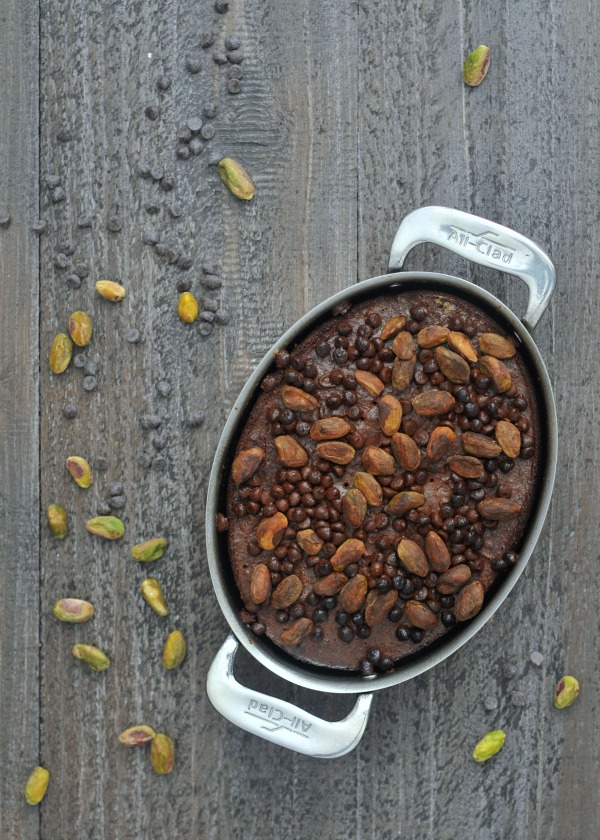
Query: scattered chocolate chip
point(212, 304)
point(163, 83)
point(80, 360)
point(100, 464)
point(73, 281)
point(144, 461)
point(183, 152)
point(210, 111)
point(196, 419)
point(185, 135)
point(70, 411)
point(219, 57)
point(158, 442)
point(39, 226)
point(117, 502)
point(57, 195)
point(52, 181)
point(133, 336)
point(157, 172)
point(184, 262)
point(161, 248)
point(151, 421)
point(194, 124)
point(175, 210)
point(208, 316)
point(4, 218)
point(64, 135)
point(163, 388)
point(490, 703)
point(510, 671)
point(222, 316)
point(90, 368)
point(152, 112)
point(152, 207)
point(167, 183)
point(233, 42)
point(234, 86)
point(207, 39)
point(193, 64)
point(114, 224)
point(195, 145)
point(211, 281)
point(67, 247)
point(159, 463)
point(208, 131)
point(61, 261)
point(116, 488)
point(85, 221)
point(103, 508)
point(81, 270)
point(183, 285)
point(149, 236)
point(536, 658)
point(517, 698)
point(221, 6)
point(172, 254)
point(89, 383)
point(214, 158)
point(205, 328)
point(235, 72)
point(235, 56)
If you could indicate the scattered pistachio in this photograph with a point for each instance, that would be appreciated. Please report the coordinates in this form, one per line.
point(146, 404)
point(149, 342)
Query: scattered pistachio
point(489, 745)
point(37, 785)
point(80, 470)
point(566, 692)
point(236, 178)
point(108, 527)
point(60, 353)
point(58, 521)
point(476, 66)
point(174, 650)
point(162, 754)
point(187, 308)
point(149, 550)
point(137, 736)
point(80, 328)
point(110, 290)
point(73, 610)
point(153, 596)
point(92, 656)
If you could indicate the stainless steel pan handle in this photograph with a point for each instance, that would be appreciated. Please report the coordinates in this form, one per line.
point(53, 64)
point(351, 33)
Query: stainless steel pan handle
point(277, 720)
point(480, 241)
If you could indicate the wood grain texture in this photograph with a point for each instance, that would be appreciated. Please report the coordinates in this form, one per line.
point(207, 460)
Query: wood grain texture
point(350, 116)
point(19, 430)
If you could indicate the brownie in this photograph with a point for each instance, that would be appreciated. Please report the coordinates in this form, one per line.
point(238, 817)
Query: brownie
point(383, 480)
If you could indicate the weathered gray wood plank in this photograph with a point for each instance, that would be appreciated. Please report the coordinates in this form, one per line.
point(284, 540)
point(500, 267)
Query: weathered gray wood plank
point(513, 150)
point(19, 547)
point(293, 127)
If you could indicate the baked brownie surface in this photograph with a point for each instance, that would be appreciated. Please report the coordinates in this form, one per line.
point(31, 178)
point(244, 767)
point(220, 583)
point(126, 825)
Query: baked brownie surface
point(383, 480)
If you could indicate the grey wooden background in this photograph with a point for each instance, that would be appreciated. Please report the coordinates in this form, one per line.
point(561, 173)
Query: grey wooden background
point(351, 115)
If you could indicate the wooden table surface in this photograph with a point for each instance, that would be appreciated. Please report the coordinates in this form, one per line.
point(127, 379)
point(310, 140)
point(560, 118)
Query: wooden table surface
point(349, 116)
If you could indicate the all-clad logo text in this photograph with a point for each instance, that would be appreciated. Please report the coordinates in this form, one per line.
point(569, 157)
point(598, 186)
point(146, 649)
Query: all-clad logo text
point(481, 243)
point(275, 719)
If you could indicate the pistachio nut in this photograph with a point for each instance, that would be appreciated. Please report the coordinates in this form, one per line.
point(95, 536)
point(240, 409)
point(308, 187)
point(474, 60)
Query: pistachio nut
point(476, 65)
point(80, 470)
point(80, 328)
point(153, 596)
point(146, 552)
point(489, 745)
point(92, 656)
point(566, 692)
point(187, 308)
point(108, 527)
point(36, 786)
point(73, 611)
point(110, 290)
point(174, 650)
point(162, 754)
point(137, 736)
point(60, 353)
point(236, 178)
point(58, 521)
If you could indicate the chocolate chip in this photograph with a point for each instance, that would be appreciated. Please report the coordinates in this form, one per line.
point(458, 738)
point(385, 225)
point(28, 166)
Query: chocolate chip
point(490, 703)
point(221, 6)
point(184, 285)
point(163, 83)
point(184, 262)
point(205, 328)
point(207, 316)
point(144, 170)
point(207, 131)
point(158, 442)
point(89, 383)
point(207, 39)
point(210, 111)
point(149, 236)
point(133, 336)
point(81, 270)
point(151, 421)
point(61, 261)
point(214, 158)
point(183, 152)
point(196, 419)
point(70, 411)
point(233, 42)
point(235, 72)
point(219, 57)
point(175, 210)
point(193, 64)
point(194, 124)
point(211, 281)
point(235, 56)
point(117, 502)
point(80, 360)
point(114, 224)
point(234, 86)
point(90, 368)
point(167, 183)
point(103, 508)
point(52, 181)
point(210, 303)
point(156, 173)
point(163, 387)
point(57, 195)
point(152, 207)
point(39, 226)
point(195, 145)
point(152, 112)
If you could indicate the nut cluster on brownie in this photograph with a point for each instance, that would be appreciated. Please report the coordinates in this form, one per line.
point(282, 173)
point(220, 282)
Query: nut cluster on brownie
point(382, 480)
